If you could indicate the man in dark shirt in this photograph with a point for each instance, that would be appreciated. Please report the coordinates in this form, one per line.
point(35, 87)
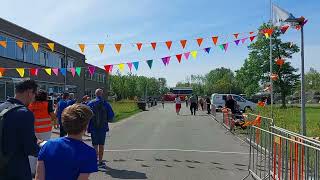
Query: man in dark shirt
point(19, 139)
point(230, 103)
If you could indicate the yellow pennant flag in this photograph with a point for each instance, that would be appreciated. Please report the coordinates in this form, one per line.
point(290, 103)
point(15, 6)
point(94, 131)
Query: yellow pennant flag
point(48, 71)
point(101, 47)
point(267, 35)
point(82, 46)
point(3, 44)
point(20, 71)
point(19, 44)
point(121, 67)
point(35, 46)
point(194, 54)
point(51, 46)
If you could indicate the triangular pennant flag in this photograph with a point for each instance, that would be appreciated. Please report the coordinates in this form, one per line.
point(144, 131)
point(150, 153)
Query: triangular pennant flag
point(108, 68)
point(2, 70)
point(207, 50)
point(139, 45)
point(225, 46)
point(149, 62)
point(91, 69)
point(186, 55)
point(194, 54)
point(221, 46)
point(244, 40)
point(284, 28)
point(252, 32)
point(215, 40)
point(121, 67)
point(236, 35)
point(154, 45)
point(19, 44)
point(20, 71)
point(51, 46)
point(304, 22)
point(130, 66)
point(179, 56)
point(266, 35)
point(168, 43)
point(136, 65)
point(168, 59)
point(82, 47)
point(48, 71)
point(55, 71)
point(35, 46)
point(164, 60)
point(252, 38)
point(3, 44)
point(78, 71)
point(237, 42)
point(199, 41)
point(183, 43)
point(63, 71)
point(118, 47)
point(73, 71)
point(101, 47)
point(34, 72)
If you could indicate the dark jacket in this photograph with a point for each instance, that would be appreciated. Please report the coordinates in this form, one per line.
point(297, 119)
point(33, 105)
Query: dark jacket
point(19, 141)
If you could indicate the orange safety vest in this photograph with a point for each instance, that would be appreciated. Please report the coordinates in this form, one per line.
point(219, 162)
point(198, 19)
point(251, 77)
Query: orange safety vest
point(42, 123)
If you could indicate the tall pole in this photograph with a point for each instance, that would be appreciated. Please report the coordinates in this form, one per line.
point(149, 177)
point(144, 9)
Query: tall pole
point(271, 64)
point(303, 94)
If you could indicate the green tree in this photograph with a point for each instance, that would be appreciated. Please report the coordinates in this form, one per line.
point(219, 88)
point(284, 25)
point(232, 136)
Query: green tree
point(312, 80)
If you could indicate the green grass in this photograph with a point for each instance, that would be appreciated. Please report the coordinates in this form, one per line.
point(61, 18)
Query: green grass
point(289, 118)
point(124, 109)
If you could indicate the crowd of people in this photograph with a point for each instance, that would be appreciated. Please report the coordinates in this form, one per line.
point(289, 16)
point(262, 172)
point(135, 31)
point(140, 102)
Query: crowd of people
point(26, 146)
point(194, 101)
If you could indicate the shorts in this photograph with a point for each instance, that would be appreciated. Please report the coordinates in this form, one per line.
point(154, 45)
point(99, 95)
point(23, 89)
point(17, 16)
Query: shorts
point(98, 137)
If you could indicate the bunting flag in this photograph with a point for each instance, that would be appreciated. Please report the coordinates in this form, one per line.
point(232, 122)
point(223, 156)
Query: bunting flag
point(207, 50)
point(101, 47)
point(136, 65)
point(225, 46)
point(252, 32)
point(139, 45)
point(194, 54)
point(280, 62)
point(252, 38)
point(55, 71)
point(221, 47)
point(166, 60)
point(183, 43)
point(236, 35)
point(118, 47)
point(78, 70)
point(121, 67)
point(243, 40)
point(34, 72)
point(215, 40)
point(267, 32)
point(149, 62)
point(20, 71)
point(2, 70)
point(108, 68)
point(284, 29)
point(130, 66)
point(19, 44)
point(179, 56)
point(51, 46)
point(63, 71)
point(186, 55)
point(48, 71)
point(199, 41)
point(169, 43)
point(237, 42)
point(298, 27)
point(82, 47)
point(3, 44)
point(35, 46)
point(73, 71)
point(304, 22)
point(154, 45)
point(91, 69)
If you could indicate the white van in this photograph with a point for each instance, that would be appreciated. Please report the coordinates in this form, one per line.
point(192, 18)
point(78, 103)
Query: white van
point(219, 100)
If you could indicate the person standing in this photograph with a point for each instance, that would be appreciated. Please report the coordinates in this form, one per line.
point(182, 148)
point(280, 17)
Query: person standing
point(71, 100)
point(230, 103)
point(17, 130)
point(186, 99)
point(178, 104)
point(193, 104)
point(62, 104)
point(162, 101)
point(68, 157)
point(102, 114)
point(208, 102)
point(201, 102)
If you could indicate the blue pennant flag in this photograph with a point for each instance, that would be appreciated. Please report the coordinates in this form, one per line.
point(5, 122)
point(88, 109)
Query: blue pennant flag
point(136, 65)
point(63, 71)
point(207, 50)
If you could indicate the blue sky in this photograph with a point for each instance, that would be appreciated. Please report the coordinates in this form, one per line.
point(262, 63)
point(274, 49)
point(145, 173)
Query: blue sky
point(104, 21)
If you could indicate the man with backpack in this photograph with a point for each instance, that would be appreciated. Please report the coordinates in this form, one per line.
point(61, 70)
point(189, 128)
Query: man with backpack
point(98, 127)
point(17, 136)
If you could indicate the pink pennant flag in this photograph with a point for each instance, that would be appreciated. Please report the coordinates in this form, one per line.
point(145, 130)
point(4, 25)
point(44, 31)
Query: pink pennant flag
point(91, 69)
point(55, 71)
point(130, 66)
point(225, 46)
point(244, 40)
point(186, 55)
point(73, 71)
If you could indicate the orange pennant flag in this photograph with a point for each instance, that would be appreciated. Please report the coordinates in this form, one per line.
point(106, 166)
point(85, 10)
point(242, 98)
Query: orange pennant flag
point(183, 43)
point(199, 41)
point(35, 46)
point(51, 46)
point(139, 45)
point(3, 44)
point(169, 43)
point(236, 35)
point(215, 40)
point(2, 71)
point(101, 47)
point(118, 47)
point(154, 45)
point(82, 47)
point(19, 44)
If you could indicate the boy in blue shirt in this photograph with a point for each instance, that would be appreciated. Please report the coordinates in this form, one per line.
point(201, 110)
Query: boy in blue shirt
point(68, 157)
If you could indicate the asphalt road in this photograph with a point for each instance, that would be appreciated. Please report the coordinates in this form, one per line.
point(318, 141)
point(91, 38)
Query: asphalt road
point(156, 144)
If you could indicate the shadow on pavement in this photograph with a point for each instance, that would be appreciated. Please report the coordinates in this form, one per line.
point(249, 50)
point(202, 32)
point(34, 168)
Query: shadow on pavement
point(123, 174)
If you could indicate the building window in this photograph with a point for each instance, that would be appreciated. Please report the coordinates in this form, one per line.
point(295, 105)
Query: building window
point(43, 57)
point(28, 53)
point(11, 49)
point(70, 63)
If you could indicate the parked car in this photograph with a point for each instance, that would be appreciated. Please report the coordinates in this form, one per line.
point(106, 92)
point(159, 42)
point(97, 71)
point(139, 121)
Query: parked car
point(219, 101)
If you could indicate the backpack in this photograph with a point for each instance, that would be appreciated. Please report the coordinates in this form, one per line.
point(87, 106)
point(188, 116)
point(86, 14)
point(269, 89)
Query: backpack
point(100, 115)
point(4, 109)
